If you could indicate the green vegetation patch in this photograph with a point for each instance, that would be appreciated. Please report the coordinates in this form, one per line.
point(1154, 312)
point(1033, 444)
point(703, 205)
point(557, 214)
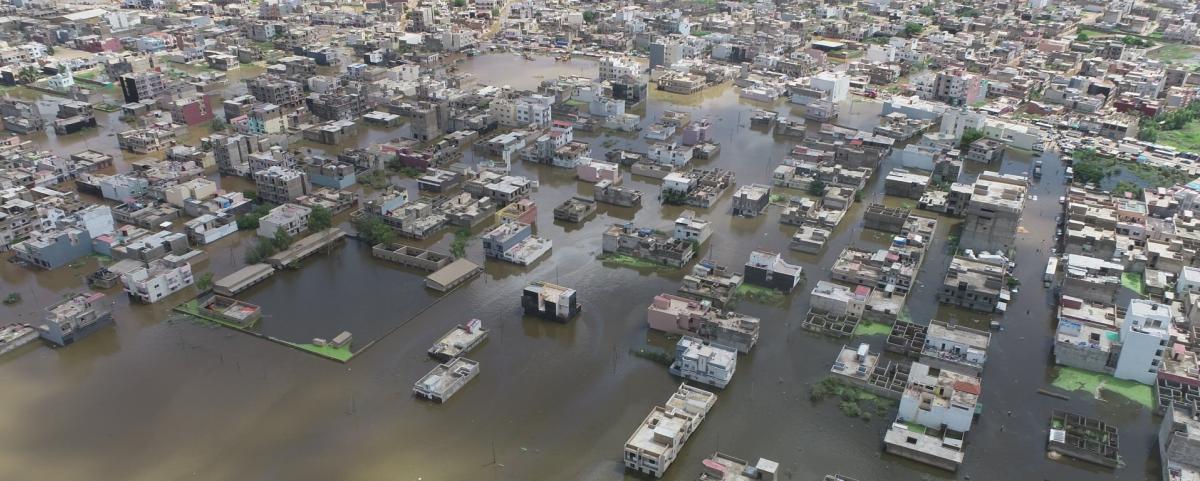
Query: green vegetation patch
point(341, 354)
point(458, 247)
point(1173, 52)
point(914, 427)
point(192, 308)
point(1072, 379)
point(761, 295)
point(1133, 282)
point(633, 262)
point(868, 328)
point(1187, 138)
point(653, 354)
point(853, 401)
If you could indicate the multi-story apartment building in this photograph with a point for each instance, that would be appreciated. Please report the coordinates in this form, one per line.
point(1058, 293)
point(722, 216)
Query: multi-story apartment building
point(704, 362)
point(1145, 335)
point(157, 279)
point(939, 399)
point(290, 218)
point(992, 207)
point(76, 317)
point(145, 85)
point(232, 153)
point(53, 248)
point(281, 185)
point(975, 285)
point(679, 315)
point(274, 90)
point(656, 442)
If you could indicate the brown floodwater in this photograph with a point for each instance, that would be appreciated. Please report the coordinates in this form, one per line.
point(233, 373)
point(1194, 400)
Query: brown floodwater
point(162, 398)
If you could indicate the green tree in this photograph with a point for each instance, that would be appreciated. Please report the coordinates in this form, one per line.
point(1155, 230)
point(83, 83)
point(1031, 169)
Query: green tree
point(816, 187)
point(282, 240)
point(263, 249)
point(320, 219)
point(205, 282)
point(458, 247)
point(969, 136)
point(247, 222)
point(1148, 131)
point(590, 16)
point(460, 3)
point(1089, 168)
point(912, 29)
point(1082, 37)
point(374, 230)
point(28, 74)
point(928, 11)
point(217, 124)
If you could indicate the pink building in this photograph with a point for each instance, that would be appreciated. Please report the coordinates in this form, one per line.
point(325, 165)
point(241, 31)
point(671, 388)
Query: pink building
point(523, 211)
point(595, 171)
point(679, 315)
point(192, 111)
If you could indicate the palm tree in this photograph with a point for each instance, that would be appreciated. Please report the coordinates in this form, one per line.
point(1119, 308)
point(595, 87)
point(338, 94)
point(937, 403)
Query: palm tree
point(28, 74)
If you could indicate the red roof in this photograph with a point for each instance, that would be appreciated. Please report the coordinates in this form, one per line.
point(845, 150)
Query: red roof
point(967, 387)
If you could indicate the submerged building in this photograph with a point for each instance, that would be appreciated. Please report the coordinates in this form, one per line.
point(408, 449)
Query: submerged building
point(549, 301)
point(704, 362)
point(76, 317)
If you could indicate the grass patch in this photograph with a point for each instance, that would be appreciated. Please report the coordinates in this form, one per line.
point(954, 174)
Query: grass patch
point(652, 354)
point(1187, 138)
point(761, 295)
point(342, 354)
point(868, 328)
point(853, 401)
point(192, 308)
point(1072, 379)
point(1133, 282)
point(633, 262)
point(1174, 52)
point(914, 427)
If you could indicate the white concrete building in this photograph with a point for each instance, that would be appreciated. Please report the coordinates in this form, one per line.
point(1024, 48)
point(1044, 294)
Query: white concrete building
point(156, 280)
point(1144, 338)
point(670, 154)
point(838, 300)
point(1189, 280)
point(936, 397)
point(613, 68)
point(690, 228)
point(704, 362)
point(534, 109)
point(292, 218)
point(836, 83)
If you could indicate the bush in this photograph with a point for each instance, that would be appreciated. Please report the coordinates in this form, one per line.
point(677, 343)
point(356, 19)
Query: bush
point(374, 230)
point(249, 220)
point(969, 136)
point(320, 219)
point(205, 281)
point(282, 240)
point(912, 29)
point(816, 188)
point(458, 247)
point(263, 249)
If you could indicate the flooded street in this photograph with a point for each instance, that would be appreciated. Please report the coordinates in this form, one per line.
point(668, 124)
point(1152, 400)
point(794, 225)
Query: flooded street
point(158, 398)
